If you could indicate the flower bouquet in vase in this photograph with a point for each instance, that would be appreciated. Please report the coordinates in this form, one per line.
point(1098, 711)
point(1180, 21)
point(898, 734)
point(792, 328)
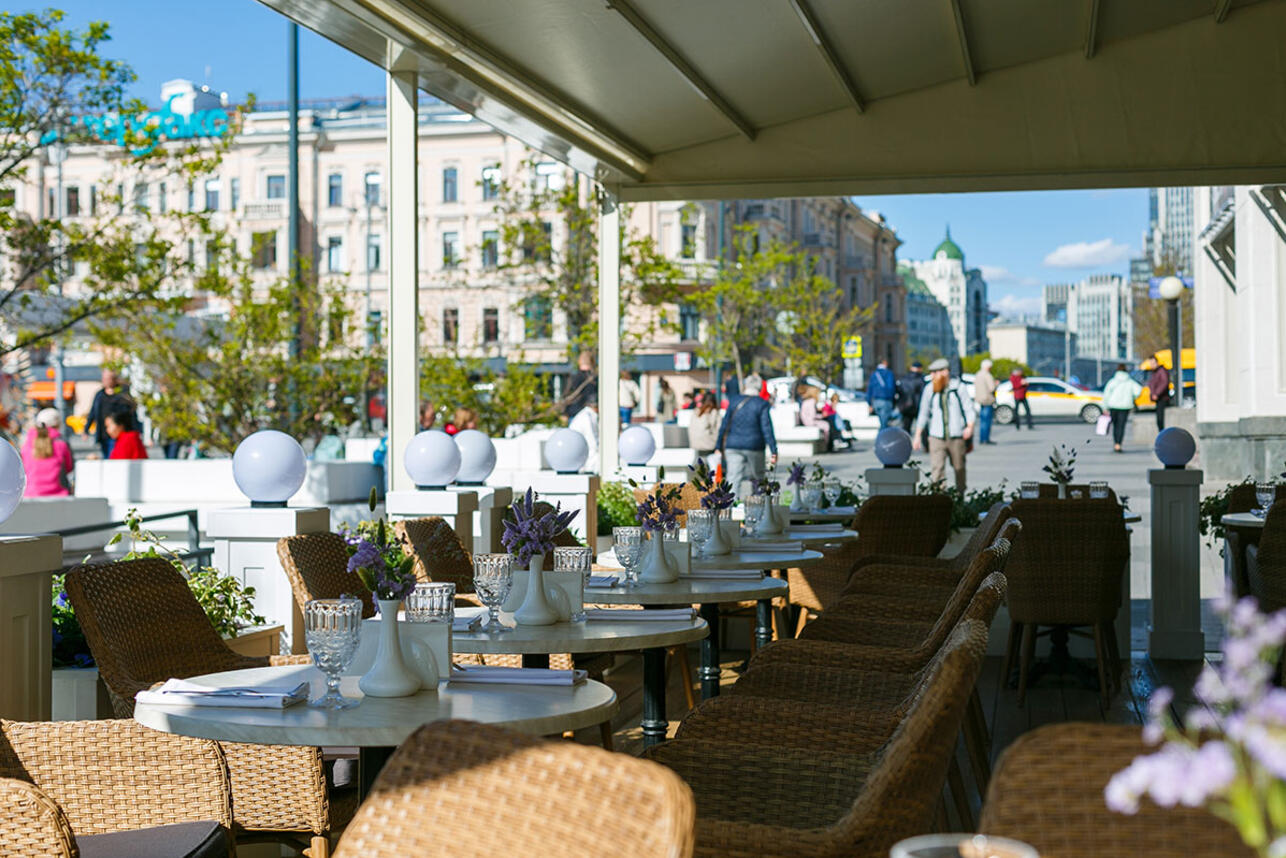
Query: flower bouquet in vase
point(795, 479)
point(716, 494)
point(529, 536)
point(387, 570)
point(1062, 462)
point(658, 515)
point(772, 523)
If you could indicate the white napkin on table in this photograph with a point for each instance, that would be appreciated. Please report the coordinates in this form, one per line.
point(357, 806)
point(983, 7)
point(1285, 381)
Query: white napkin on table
point(739, 574)
point(754, 546)
point(618, 614)
point(830, 527)
point(602, 581)
point(462, 625)
point(181, 692)
point(490, 675)
point(608, 558)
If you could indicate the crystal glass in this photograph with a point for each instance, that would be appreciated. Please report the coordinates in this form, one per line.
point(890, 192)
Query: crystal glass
point(832, 489)
point(1264, 495)
point(1098, 490)
point(493, 578)
point(627, 542)
point(755, 505)
point(811, 495)
point(1029, 491)
point(432, 602)
point(701, 525)
point(578, 558)
point(961, 846)
point(332, 629)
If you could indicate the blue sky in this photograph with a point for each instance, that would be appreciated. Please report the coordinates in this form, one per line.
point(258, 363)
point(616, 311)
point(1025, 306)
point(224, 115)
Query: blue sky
point(1020, 240)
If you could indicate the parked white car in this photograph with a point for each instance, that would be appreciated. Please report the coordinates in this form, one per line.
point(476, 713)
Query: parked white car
point(1050, 397)
point(783, 386)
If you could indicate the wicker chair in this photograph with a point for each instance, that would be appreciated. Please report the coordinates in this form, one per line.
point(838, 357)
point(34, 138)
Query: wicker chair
point(1239, 539)
point(689, 498)
point(144, 626)
point(916, 526)
point(317, 566)
point(459, 785)
point(1048, 792)
point(439, 554)
point(1266, 562)
point(752, 799)
point(110, 788)
point(1066, 570)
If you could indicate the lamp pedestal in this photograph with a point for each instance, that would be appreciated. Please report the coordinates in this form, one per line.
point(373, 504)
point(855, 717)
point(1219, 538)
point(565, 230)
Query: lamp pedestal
point(245, 547)
point(1174, 629)
point(488, 518)
point(892, 481)
point(573, 491)
point(26, 565)
point(456, 507)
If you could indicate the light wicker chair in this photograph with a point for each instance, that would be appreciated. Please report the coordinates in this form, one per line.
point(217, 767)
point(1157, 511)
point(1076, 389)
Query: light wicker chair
point(1047, 791)
point(459, 787)
point(144, 626)
point(1266, 561)
point(110, 788)
point(1066, 570)
point(753, 801)
point(317, 566)
point(689, 498)
point(439, 554)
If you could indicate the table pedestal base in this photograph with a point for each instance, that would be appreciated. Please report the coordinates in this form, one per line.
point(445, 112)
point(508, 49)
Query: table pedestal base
point(655, 725)
point(710, 671)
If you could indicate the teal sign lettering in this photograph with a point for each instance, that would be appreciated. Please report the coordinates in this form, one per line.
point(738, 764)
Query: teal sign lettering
point(142, 133)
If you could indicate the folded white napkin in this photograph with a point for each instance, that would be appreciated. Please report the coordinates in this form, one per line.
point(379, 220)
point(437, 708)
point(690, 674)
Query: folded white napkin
point(829, 527)
point(618, 614)
point(466, 624)
point(742, 574)
point(603, 580)
point(515, 675)
point(755, 546)
point(181, 692)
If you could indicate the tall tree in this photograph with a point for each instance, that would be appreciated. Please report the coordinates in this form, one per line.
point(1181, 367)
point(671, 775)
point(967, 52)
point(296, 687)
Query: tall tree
point(1151, 316)
point(812, 329)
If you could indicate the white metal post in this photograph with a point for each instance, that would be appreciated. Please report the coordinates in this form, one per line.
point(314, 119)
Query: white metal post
point(609, 332)
point(403, 267)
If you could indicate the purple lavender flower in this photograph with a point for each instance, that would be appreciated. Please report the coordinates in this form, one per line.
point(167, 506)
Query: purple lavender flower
point(527, 534)
point(796, 477)
point(715, 494)
point(367, 556)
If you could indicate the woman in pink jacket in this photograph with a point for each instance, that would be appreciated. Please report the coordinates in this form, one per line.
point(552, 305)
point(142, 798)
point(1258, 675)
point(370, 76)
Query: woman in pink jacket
point(46, 458)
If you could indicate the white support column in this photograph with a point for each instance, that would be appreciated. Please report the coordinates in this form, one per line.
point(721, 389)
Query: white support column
point(1174, 630)
point(403, 269)
point(609, 332)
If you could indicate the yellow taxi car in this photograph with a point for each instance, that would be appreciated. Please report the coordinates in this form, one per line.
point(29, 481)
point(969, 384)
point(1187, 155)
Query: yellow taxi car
point(1050, 397)
point(1144, 373)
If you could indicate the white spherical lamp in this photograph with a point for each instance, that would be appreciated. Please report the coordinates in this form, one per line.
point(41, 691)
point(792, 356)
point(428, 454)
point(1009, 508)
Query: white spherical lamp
point(1170, 288)
point(892, 447)
point(477, 457)
point(432, 459)
point(13, 481)
point(636, 445)
point(1175, 447)
point(269, 467)
point(566, 451)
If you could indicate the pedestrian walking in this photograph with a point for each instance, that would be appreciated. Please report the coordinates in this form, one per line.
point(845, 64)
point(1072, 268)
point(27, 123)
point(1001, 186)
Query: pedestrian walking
point(880, 392)
point(46, 458)
point(110, 397)
point(984, 394)
point(1019, 385)
point(745, 433)
point(1118, 397)
point(910, 389)
point(127, 442)
point(1159, 390)
point(628, 396)
point(582, 384)
point(948, 418)
point(703, 431)
point(667, 403)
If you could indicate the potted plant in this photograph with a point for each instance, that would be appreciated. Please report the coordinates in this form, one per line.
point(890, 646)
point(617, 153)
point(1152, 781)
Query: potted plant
point(658, 514)
point(1062, 462)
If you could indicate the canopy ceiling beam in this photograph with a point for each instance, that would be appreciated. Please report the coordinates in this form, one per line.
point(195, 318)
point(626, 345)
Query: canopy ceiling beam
point(682, 66)
point(1091, 30)
point(824, 47)
point(965, 56)
point(1221, 10)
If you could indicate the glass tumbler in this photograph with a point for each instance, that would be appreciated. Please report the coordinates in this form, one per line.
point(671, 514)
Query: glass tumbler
point(701, 525)
point(493, 578)
point(579, 558)
point(432, 602)
point(1029, 491)
point(832, 489)
point(1098, 490)
point(1264, 495)
point(332, 629)
point(755, 508)
point(811, 494)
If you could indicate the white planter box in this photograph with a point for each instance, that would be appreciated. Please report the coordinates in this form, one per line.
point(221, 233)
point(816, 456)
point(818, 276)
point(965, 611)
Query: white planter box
point(43, 515)
point(79, 695)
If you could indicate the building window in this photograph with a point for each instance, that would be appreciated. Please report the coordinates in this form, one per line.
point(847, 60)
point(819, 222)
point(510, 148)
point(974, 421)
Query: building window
point(93, 199)
point(450, 325)
point(491, 182)
point(140, 196)
point(539, 247)
point(372, 253)
point(537, 318)
point(334, 190)
point(490, 325)
point(276, 187)
point(688, 241)
point(211, 255)
point(372, 188)
point(689, 322)
point(162, 203)
point(212, 195)
point(263, 249)
point(73, 201)
point(888, 308)
point(234, 193)
point(450, 249)
point(549, 176)
point(335, 254)
point(450, 185)
point(490, 249)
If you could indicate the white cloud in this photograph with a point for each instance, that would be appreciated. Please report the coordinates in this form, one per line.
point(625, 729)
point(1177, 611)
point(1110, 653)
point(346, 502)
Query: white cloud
point(1014, 306)
point(1088, 254)
point(1001, 274)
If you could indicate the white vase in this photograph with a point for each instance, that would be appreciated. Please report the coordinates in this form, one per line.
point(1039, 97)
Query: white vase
point(796, 500)
point(535, 609)
point(389, 676)
point(656, 567)
point(717, 545)
point(1062, 491)
point(770, 524)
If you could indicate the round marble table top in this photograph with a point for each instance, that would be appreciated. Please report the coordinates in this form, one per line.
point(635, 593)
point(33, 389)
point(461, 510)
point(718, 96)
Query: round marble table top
point(379, 721)
point(807, 537)
point(1242, 519)
point(747, 557)
point(688, 591)
point(588, 636)
point(836, 513)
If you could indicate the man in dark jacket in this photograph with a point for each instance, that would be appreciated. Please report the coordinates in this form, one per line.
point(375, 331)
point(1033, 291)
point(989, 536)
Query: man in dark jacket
point(880, 392)
point(745, 432)
point(1159, 390)
point(111, 398)
point(910, 388)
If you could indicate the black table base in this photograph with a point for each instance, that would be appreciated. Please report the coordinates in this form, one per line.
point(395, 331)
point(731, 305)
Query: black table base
point(655, 725)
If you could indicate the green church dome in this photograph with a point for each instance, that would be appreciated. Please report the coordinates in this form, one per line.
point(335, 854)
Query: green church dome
point(950, 248)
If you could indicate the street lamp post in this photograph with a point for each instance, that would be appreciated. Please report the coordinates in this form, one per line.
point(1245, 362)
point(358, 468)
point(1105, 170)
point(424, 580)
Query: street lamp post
point(1171, 289)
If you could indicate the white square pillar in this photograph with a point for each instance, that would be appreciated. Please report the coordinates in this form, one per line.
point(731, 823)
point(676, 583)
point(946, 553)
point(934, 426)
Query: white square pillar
point(456, 507)
point(27, 563)
point(488, 520)
point(245, 547)
point(609, 330)
point(892, 481)
point(573, 491)
point(403, 266)
point(1174, 629)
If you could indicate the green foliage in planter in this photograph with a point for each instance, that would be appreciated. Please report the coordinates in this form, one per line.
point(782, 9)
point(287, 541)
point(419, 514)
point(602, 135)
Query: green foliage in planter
point(226, 601)
point(1212, 511)
point(967, 507)
point(70, 648)
point(616, 508)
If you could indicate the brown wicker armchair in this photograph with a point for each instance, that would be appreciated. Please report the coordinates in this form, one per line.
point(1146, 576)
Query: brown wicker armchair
point(689, 498)
point(1239, 539)
point(110, 788)
point(1266, 562)
point(916, 526)
point(1065, 570)
point(458, 783)
point(843, 804)
point(439, 554)
point(1048, 792)
point(317, 566)
point(144, 626)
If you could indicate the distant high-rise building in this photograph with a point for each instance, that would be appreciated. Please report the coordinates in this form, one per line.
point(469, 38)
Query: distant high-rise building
point(1099, 312)
point(928, 327)
point(961, 290)
point(1170, 227)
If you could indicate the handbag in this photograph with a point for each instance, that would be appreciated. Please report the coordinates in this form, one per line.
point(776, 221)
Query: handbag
point(1104, 424)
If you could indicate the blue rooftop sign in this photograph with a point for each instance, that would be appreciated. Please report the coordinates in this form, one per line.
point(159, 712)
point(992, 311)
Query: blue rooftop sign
point(150, 128)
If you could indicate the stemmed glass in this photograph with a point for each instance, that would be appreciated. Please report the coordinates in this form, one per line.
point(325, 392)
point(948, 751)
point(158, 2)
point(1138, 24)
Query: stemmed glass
point(580, 559)
point(701, 524)
point(627, 543)
point(493, 578)
point(332, 629)
point(431, 602)
point(1098, 489)
point(1265, 493)
point(832, 489)
point(755, 508)
point(812, 495)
